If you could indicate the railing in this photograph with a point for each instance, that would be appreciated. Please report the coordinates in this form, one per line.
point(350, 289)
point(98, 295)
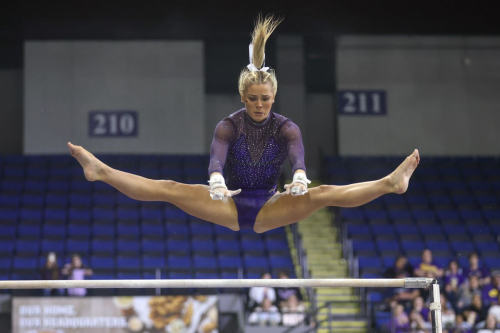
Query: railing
point(303, 264)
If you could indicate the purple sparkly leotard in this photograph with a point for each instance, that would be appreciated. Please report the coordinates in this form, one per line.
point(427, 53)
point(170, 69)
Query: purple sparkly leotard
point(253, 155)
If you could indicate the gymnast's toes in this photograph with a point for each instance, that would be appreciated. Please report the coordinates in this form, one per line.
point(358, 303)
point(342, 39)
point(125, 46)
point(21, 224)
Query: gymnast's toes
point(92, 167)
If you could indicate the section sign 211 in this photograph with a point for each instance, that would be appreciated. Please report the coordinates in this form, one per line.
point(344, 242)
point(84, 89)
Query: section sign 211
point(362, 102)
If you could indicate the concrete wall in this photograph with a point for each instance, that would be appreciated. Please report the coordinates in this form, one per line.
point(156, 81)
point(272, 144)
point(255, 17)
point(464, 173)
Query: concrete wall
point(443, 95)
point(11, 111)
point(162, 81)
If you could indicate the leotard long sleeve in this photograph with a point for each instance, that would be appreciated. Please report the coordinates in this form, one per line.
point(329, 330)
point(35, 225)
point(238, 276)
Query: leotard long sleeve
point(253, 154)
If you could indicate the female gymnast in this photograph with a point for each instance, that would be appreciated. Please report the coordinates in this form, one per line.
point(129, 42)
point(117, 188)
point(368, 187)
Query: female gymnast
point(252, 145)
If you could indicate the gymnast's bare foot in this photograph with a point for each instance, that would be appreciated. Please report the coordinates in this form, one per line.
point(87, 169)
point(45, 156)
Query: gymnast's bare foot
point(399, 179)
point(93, 169)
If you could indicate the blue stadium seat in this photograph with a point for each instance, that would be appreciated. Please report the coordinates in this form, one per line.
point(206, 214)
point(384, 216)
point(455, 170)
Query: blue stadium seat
point(33, 201)
point(130, 230)
point(7, 246)
point(276, 245)
point(358, 230)
point(251, 244)
point(150, 215)
point(78, 246)
point(437, 246)
point(397, 215)
point(423, 215)
point(204, 229)
point(81, 186)
point(203, 245)
point(12, 186)
point(382, 229)
point(150, 245)
point(178, 246)
point(8, 228)
point(180, 275)
point(454, 229)
point(128, 262)
point(406, 229)
point(102, 262)
point(376, 215)
point(5, 264)
point(178, 262)
point(10, 200)
point(28, 246)
point(103, 199)
point(103, 229)
point(352, 214)
point(220, 230)
point(430, 229)
point(129, 275)
point(79, 215)
point(153, 262)
point(479, 228)
point(229, 274)
point(56, 200)
point(176, 229)
point(174, 214)
point(124, 214)
point(228, 245)
point(80, 200)
point(78, 230)
point(59, 186)
point(459, 246)
point(201, 262)
point(486, 246)
point(206, 275)
point(29, 230)
point(51, 245)
point(256, 262)
point(361, 245)
point(412, 246)
point(103, 246)
point(229, 261)
point(152, 229)
point(35, 186)
point(28, 263)
point(125, 245)
point(387, 245)
point(124, 202)
point(369, 262)
point(101, 214)
point(280, 261)
point(34, 216)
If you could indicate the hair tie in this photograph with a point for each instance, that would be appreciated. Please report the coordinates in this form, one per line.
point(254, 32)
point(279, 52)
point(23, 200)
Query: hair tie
point(251, 66)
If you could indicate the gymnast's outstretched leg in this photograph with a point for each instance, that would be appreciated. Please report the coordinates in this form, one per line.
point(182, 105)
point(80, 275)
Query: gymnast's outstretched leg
point(193, 199)
point(284, 209)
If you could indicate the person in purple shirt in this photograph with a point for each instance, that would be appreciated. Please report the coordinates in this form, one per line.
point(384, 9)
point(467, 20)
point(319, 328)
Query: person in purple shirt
point(491, 291)
point(76, 270)
point(247, 155)
point(482, 273)
point(453, 278)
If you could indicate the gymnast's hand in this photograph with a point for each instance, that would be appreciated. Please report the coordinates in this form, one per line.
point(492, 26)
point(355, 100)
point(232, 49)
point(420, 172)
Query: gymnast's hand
point(298, 185)
point(221, 193)
point(218, 189)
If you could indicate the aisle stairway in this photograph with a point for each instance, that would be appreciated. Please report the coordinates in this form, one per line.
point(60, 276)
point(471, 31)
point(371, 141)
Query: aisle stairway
point(321, 242)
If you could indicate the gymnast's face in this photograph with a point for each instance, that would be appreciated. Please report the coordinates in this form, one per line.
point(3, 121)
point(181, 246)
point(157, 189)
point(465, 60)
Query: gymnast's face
point(258, 99)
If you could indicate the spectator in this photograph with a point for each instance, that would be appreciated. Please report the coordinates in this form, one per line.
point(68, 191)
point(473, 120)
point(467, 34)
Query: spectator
point(495, 310)
point(419, 315)
point(462, 326)
point(76, 270)
point(259, 294)
point(492, 290)
point(453, 279)
point(400, 322)
point(284, 294)
point(481, 272)
point(426, 268)
point(401, 268)
point(476, 312)
point(293, 305)
point(265, 314)
point(447, 313)
point(466, 291)
point(403, 295)
point(51, 272)
point(490, 325)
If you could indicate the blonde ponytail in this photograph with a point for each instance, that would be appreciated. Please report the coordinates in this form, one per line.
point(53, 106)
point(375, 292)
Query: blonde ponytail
point(263, 29)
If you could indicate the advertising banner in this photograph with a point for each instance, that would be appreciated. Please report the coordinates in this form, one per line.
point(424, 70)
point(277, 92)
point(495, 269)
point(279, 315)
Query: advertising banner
point(141, 314)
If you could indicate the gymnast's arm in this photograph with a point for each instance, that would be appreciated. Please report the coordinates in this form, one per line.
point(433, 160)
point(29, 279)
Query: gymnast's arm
point(295, 148)
point(224, 134)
